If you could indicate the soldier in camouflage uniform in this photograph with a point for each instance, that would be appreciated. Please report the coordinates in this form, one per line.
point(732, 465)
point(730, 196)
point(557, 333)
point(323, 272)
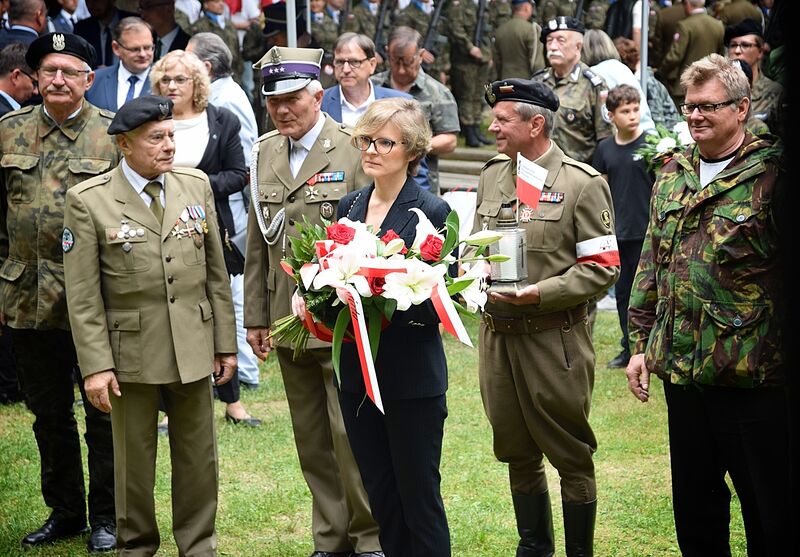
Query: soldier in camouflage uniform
point(594, 13)
point(705, 317)
point(470, 62)
point(45, 150)
point(579, 121)
point(363, 18)
point(324, 31)
point(499, 13)
point(212, 20)
point(417, 15)
point(550, 9)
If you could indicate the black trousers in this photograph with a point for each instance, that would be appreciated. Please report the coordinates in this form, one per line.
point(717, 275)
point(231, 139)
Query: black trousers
point(9, 385)
point(46, 363)
point(744, 432)
point(629, 252)
point(398, 455)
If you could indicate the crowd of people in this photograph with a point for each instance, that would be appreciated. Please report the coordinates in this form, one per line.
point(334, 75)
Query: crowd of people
point(153, 163)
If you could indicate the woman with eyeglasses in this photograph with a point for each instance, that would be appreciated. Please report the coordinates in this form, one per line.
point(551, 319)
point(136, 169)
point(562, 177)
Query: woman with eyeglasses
point(207, 138)
point(399, 452)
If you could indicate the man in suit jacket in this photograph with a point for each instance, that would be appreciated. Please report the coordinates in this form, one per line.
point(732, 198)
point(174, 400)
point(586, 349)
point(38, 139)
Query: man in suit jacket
point(160, 14)
point(17, 83)
point(26, 20)
point(127, 78)
point(123, 262)
point(64, 21)
point(98, 29)
point(304, 168)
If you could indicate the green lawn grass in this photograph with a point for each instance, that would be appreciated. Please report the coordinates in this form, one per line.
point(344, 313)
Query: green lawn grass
point(265, 509)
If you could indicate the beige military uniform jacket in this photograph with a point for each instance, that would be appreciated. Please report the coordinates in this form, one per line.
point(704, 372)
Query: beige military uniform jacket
point(579, 123)
point(39, 162)
point(574, 212)
point(151, 304)
point(331, 169)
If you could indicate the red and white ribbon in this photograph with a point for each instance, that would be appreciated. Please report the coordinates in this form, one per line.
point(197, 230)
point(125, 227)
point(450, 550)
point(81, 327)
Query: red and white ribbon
point(601, 250)
point(448, 314)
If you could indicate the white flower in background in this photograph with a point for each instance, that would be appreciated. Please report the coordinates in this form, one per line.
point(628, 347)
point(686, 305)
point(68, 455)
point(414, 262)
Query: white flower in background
point(666, 144)
point(342, 268)
point(415, 285)
point(475, 294)
point(424, 229)
point(483, 238)
point(682, 129)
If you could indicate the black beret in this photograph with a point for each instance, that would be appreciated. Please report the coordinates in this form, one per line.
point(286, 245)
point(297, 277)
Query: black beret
point(138, 111)
point(521, 90)
point(562, 23)
point(61, 43)
point(744, 27)
point(275, 20)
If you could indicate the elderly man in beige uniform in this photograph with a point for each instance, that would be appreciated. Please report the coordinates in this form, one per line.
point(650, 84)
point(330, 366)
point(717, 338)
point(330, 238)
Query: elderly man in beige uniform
point(301, 170)
point(151, 314)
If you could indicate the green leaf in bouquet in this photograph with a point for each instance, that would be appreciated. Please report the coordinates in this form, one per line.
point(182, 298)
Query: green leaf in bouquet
point(451, 235)
point(342, 321)
point(458, 285)
point(464, 311)
point(373, 329)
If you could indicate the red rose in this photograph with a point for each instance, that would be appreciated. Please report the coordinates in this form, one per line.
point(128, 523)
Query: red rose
point(431, 248)
point(392, 235)
point(341, 233)
point(376, 285)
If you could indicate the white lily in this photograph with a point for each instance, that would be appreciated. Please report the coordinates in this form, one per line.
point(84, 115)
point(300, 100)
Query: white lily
point(424, 229)
point(415, 285)
point(342, 269)
point(364, 240)
point(475, 294)
point(483, 238)
point(393, 247)
point(682, 129)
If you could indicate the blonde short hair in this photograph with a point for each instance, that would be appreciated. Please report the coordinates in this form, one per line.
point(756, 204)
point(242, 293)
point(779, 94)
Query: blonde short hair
point(717, 67)
point(197, 73)
point(407, 115)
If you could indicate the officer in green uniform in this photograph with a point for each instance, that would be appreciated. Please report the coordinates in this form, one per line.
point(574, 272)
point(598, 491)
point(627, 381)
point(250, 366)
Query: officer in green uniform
point(499, 13)
point(536, 362)
point(594, 13)
point(470, 62)
point(145, 274)
point(417, 15)
point(212, 20)
point(517, 50)
point(738, 10)
point(580, 124)
point(304, 168)
point(550, 9)
point(696, 36)
point(45, 150)
point(707, 316)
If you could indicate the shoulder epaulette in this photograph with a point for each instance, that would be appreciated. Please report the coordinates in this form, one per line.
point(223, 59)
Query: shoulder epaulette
point(497, 158)
point(190, 172)
point(23, 110)
point(106, 113)
point(596, 80)
point(93, 182)
point(267, 135)
point(543, 72)
point(345, 129)
point(589, 169)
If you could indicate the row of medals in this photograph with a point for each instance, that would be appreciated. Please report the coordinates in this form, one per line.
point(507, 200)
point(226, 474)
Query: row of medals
point(126, 233)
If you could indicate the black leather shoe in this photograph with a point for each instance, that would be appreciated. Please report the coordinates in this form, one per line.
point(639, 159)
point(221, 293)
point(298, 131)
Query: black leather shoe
point(621, 360)
point(249, 421)
point(56, 528)
point(103, 539)
point(332, 554)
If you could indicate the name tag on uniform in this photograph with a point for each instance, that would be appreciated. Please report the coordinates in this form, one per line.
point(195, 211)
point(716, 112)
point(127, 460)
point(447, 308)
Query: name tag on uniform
point(322, 177)
point(551, 197)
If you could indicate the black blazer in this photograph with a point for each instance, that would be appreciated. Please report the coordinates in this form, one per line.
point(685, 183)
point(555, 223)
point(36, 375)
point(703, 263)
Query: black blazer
point(223, 162)
point(410, 361)
point(11, 36)
point(89, 29)
point(5, 107)
point(179, 42)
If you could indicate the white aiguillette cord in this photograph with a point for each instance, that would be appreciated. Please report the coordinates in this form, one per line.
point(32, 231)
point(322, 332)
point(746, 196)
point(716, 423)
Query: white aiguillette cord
point(271, 232)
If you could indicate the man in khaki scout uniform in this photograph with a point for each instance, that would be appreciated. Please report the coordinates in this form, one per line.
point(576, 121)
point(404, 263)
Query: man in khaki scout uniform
point(151, 313)
point(579, 124)
point(696, 36)
point(302, 169)
point(517, 50)
point(44, 151)
point(536, 363)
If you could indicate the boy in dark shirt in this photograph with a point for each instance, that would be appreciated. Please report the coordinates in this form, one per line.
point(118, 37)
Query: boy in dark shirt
point(631, 184)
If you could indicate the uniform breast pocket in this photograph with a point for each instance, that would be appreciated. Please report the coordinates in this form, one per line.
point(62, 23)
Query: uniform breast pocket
point(85, 168)
point(739, 233)
point(127, 255)
point(668, 213)
point(124, 333)
point(17, 167)
point(193, 249)
point(322, 200)
point(544, 228)
point(487, 212)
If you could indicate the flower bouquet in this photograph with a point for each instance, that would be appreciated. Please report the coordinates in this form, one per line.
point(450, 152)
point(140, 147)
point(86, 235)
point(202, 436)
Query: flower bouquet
point(353, 281)
point(660, 145)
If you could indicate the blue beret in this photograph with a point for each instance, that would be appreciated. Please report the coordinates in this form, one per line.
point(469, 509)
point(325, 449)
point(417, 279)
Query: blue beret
point(138, 111)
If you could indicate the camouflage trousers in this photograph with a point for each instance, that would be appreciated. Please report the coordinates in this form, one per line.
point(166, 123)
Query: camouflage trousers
point(468, 80)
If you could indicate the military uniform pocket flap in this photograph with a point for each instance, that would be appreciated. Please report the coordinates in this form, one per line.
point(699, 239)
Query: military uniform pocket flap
point(123, 320)
point(735, 212)
point(12, 270)
point(271, 193)
point(88, 166)
point(16, 160)
point(322, 192)
point(734, 316)
point(548, 211)
point(489, 208)
point(667, 207)
point(113, 237)
point(205, 310)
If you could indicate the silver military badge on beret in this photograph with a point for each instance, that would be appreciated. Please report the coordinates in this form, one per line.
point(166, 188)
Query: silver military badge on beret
point(59, 42)
point(326, 210)
point(552, 25)
point(164, 109)
point(490, 96)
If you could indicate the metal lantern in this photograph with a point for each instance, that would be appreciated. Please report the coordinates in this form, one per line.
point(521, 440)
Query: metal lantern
point(511, 275)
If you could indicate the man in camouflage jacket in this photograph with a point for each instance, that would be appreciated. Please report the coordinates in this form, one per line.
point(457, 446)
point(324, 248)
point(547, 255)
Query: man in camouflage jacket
point(44, 151)
point(704, 316)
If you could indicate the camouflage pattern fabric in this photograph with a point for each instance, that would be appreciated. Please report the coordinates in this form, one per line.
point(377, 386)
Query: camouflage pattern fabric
point(325, 31)
point(594, 14)
point(499, 13)
point(40, 161)
point(361, 20)
point(231, 38)
point(766, 98)
point(579, 124)
point(549, 9)
point(412, 16)
point(704, 303)
point(662, 107)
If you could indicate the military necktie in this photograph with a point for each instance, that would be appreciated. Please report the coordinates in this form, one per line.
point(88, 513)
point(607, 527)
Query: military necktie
point(132, 89)
point(153, 189)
